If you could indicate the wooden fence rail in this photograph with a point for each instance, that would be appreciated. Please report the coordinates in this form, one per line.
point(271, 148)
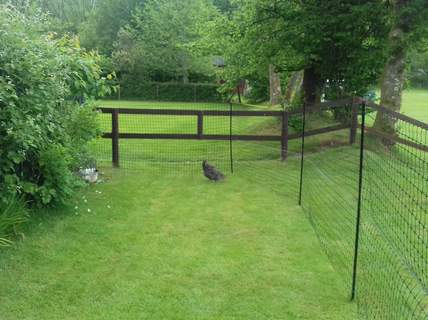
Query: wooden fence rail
point(115, 135)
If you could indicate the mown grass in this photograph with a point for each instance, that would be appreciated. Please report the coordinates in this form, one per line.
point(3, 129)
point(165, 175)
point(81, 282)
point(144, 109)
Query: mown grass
point(160, 243)
point(167, 245)
point(415, 104)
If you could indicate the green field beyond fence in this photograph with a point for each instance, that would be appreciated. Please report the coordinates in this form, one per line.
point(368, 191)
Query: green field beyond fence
point(190, 153)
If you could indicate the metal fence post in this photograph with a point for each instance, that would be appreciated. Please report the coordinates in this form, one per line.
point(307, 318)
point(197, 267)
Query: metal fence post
point(354, 124)
point(284, 136)
point(302, 160)
point(231, 135)
point(115, 137)
point(360, 189)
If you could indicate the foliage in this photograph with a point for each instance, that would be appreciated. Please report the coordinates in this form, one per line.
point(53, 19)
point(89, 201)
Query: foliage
point(65, 16)
point(13, 213)
point(418, 69)
point(157, 43)
point(42, 138)
point(342, 41)
point(172, 91)
point(100, 31)
point(170, 40)
point(225, 6)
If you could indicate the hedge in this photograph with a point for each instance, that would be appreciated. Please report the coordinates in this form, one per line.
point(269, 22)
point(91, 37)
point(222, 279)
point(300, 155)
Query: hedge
point(171, 91)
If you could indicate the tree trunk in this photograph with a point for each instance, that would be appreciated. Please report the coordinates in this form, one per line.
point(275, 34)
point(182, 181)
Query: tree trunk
point(274, 86)
point(185, 76)
point(392, 82)
point(293, 87)
point(311, 81)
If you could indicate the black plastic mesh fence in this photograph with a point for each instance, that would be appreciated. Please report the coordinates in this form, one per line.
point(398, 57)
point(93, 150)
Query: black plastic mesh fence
point(179, 154)
point(391, 263)
point(330, 188)
point(177, 137)
point(383, 177)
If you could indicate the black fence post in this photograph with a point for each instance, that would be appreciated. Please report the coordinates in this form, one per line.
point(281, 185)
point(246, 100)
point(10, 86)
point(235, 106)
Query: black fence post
point(115, 137)
point(302, 160)
point(360, 190)
point(354, 124)
point(231, 135)
point(284, 136)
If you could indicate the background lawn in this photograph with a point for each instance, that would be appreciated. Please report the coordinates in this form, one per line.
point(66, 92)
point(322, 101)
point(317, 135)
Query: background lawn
point(189, 153)
point(415, 104)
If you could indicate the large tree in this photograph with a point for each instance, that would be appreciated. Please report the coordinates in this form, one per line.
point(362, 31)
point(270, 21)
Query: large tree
point(339, 42)
point(408, 26)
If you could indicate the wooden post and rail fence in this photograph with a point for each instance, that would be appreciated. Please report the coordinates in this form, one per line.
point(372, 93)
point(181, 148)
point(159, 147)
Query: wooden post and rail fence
point(116, 135)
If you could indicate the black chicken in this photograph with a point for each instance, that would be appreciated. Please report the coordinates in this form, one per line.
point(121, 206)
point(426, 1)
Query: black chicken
point(211, 172)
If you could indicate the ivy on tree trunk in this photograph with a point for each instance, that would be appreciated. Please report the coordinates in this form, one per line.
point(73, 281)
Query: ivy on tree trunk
point(274, 86)
point(392, 82)
point(293, 87)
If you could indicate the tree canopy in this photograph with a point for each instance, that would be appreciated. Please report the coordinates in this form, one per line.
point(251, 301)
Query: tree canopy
point(342, 46)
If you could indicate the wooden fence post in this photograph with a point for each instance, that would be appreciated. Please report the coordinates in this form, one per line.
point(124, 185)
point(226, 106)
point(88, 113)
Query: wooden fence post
point(284, 136)
point(115, 137)
point(200, 125)
point(354, 124)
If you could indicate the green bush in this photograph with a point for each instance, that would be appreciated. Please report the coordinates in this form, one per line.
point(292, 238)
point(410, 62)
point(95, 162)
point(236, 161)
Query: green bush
point(171, 91)
point(13, 213)
point(44, 131)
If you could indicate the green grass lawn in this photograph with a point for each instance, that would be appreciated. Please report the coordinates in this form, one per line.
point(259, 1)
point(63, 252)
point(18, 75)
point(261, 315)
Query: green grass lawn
point(415, 104)
point(161, 242)
point(166, 245)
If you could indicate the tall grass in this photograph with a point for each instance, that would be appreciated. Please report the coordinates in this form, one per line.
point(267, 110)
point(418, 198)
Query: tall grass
point(13, 213)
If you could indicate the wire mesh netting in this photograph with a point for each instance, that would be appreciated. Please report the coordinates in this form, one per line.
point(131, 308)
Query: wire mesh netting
point(179, 136)
point(391, 259)
point(393, 272)
point(330, 189)
point(180, 154)
point(388, 188)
